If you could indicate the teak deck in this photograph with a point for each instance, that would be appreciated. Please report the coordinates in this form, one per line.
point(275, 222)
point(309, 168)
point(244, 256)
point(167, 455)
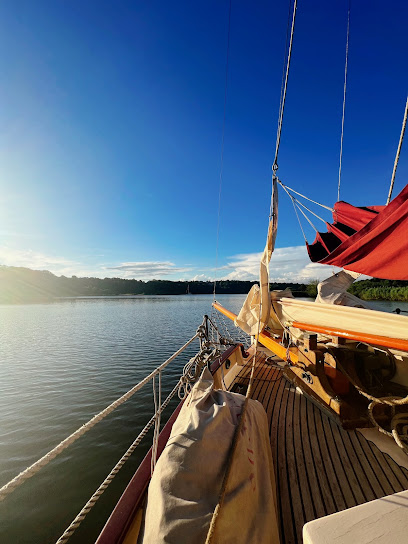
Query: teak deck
point(320, 468)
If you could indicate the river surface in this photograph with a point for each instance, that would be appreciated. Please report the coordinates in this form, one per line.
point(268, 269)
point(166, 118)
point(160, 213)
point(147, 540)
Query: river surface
point(60, 364)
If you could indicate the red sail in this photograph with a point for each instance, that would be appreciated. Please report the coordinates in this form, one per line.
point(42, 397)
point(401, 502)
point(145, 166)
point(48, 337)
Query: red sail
point(371, 240)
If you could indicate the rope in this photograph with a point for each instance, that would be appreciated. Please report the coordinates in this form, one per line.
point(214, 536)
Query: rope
point(89, 505)
point(309, 210)
point(282, 107)
point(35, 467)
point(304, 196)
point(344, 98)
point(238, 428)
point(215, 515)
point(306, 217)
point(237, 432)
point(297, 206)
point(284, 59)
point(404, 124)
point(157, 411)
point(193, 368)
point(396, 420)
point(298, 218)
point(222, 147)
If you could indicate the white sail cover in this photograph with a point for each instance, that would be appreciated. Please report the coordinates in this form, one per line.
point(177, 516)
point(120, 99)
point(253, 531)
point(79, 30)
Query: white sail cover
point(186, 483)
point(360, 320)
point(333, 290)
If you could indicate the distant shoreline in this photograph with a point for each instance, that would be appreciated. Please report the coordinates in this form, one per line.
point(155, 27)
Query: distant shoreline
point(23, 285)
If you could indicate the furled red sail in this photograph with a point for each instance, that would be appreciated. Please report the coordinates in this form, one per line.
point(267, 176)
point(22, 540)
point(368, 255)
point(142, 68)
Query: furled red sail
point(371, 240)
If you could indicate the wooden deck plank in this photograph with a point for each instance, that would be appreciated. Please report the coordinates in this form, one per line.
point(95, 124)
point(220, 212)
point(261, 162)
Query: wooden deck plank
point(354, 483)
point(358, 469)
point(371, 476)
point(312, 465)
point(319, 467)
point(287, 514)
point(325, 459)
point(292, 460)
point(302, 460)
point(374, 462)
point(385, 468)
point(337, 461)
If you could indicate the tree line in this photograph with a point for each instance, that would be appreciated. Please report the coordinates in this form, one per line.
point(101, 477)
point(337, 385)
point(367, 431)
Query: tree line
point(19, 284)
point(375, 289)
point(25, 285)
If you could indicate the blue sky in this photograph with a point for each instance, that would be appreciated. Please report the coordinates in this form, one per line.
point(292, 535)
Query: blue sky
point(111, 121)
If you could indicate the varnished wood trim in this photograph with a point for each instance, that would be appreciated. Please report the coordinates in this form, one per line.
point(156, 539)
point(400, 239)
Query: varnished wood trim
point(386, 341)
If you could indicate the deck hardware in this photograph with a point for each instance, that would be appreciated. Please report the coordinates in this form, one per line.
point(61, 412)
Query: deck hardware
point(307, 377)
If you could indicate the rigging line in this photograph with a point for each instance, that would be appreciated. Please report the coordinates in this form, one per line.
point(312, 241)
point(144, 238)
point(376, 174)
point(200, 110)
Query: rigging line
point(298, 218)
point(284, 59)
point(293, 199)
point(280, 121)
point(305, 197)
point(344, 98)
point(298, 203)
point(309, 210)
point(222, 146)
point(404, 123)
point(306, 217)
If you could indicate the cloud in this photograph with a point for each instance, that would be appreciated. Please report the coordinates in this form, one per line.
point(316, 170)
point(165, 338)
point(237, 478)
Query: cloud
point(37, 261)
point(61, 266)
point(148, 269)
point(288, 264)
point(201, 277)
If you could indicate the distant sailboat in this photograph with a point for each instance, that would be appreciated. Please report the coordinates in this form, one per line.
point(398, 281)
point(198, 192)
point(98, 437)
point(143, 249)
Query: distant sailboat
point(188, 292)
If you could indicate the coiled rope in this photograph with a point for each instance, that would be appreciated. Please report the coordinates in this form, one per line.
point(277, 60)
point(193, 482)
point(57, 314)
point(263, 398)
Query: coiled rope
point(393, 402)
point(35, 467)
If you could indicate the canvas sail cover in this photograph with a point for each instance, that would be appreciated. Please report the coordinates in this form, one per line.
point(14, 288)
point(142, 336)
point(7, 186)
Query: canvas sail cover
point(370, 240)
point(186, 483)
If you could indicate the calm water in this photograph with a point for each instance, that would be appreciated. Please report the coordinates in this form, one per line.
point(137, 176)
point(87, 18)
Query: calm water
point(60, 364)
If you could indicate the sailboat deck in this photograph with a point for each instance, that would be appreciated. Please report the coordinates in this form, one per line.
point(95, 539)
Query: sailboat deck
point(320, 468)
